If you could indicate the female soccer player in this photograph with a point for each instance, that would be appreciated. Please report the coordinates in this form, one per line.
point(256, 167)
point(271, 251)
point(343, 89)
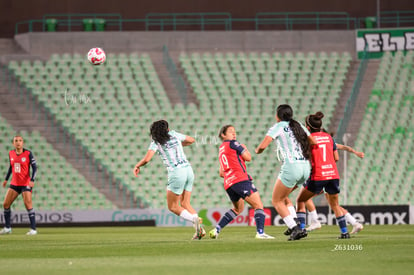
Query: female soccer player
point(237, 183)
point(324, 173)
point(20, 161)
point(310, 206)
point(169, 146)
point(293, 142)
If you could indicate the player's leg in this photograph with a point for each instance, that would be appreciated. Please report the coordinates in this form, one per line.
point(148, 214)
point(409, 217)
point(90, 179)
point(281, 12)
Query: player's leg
point(340, 217)
point(185, 199)
point(291, 207)
point(259, 215)
point(303, 196)
point(313, 216)
point(356, 226)
point(175, 189)
point(10, 197)
point(231, 214)
point(332, 189)
point(27, 199)
point(280, 193)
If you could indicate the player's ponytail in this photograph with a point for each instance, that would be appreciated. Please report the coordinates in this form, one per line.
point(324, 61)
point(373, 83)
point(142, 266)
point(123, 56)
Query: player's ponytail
point(314, 122)
point(285, 113)
point(159, 131)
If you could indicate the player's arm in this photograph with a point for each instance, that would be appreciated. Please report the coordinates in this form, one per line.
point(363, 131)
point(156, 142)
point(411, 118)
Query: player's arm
point(9, 172)
point(34, 169)
point(336, 155)
point(221, 172)
point(312, 140)
point(350, 149)
point(263, 145)
point(188, 141)
point(143, 161)
point(246, 154)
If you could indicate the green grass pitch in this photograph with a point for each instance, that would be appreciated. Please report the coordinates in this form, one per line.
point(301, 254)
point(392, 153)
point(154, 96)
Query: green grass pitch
point(151, 250)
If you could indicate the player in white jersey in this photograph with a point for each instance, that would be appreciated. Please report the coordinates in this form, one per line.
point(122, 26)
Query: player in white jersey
point(169, 146)
point(293, 142)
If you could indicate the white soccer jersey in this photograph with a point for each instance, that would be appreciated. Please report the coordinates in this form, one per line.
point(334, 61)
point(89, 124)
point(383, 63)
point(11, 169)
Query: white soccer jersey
point(288, 148)
point(172, 153)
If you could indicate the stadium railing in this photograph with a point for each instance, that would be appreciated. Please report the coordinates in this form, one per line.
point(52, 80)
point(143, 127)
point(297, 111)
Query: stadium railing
point(220, 21)
point(175, 20)
point(290, 19)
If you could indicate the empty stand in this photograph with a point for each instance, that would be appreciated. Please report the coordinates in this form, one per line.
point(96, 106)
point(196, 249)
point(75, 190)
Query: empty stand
point(385, 176)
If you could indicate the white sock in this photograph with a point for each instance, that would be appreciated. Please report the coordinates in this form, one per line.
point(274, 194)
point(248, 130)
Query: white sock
point(349, 218)
point(292, 211)
point(289, 221)
point(313, 216)
point(186, 215)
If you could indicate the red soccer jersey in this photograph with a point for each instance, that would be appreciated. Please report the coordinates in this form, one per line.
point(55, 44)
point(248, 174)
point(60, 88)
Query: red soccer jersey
point(323, 162)
point(20, 165)
point(232, 163)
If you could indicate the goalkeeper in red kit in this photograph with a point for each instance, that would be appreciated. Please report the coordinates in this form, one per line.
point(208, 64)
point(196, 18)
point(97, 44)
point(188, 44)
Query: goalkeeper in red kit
point(21, 160)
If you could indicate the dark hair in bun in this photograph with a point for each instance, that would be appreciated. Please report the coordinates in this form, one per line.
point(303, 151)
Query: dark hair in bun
point(315, 121)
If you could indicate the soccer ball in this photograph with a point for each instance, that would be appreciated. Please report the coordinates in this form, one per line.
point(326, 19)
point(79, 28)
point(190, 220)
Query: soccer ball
point(96, 56)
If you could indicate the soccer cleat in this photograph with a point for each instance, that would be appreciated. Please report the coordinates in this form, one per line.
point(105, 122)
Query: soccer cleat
point(196, 223)
point(356, 228)
point(203, 232)
point(200, 234)
point(263, 236)
point(213, 233)
point(288, 231)
point(344, 236)
point(32, 232)
point(297, 233)
point(5, 231)
point(314, 226)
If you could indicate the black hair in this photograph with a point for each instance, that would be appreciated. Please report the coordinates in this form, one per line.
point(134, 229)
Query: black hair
point(223, 130)
point(159, 131)
point(285, 113)
point(315, 122)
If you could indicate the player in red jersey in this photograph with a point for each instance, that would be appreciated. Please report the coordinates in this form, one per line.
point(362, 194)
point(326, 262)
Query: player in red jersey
point(20, 161)
point(238, 183)
point(310, 206)
point(324, 174)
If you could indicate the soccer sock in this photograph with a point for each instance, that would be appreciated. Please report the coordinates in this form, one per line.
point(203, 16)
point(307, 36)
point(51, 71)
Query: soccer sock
point(259, 217)
point(313, 216)
point(187, 216)
point(302, 219)
point(289, 221)
point(342, 224)
point(349, 218)
point(226, 219)
point(32, 218)
point(7, 216)
point(292, 211)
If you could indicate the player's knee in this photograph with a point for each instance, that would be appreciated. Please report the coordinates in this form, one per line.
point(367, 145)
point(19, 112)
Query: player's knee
point(238, 209)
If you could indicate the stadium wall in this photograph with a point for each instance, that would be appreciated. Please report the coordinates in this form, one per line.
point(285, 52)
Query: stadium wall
point(371, 214)
point(15, 11)
point(43, 44)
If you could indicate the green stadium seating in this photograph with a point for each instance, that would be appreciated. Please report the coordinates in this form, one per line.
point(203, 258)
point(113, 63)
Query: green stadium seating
point(386, 135)
point(238, 88)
